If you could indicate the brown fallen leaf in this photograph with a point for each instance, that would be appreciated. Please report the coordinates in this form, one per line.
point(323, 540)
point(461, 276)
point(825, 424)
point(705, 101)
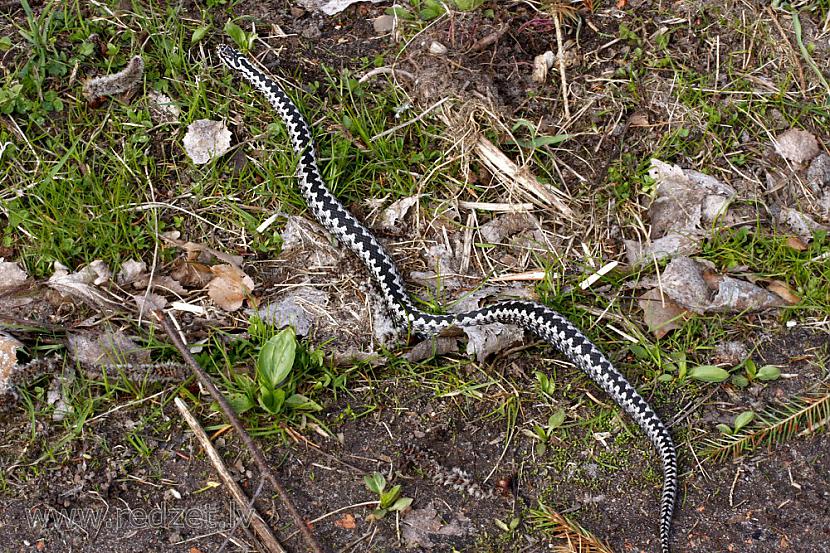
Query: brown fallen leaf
point(230, 287)
point(191, 274)
point(783, 291)
point(347, 522)
point(660, 313)
point(796, 243)
point(638, 120)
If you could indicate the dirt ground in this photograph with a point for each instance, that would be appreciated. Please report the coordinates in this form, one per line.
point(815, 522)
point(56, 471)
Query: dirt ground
point(767, 501)
point(103, 496)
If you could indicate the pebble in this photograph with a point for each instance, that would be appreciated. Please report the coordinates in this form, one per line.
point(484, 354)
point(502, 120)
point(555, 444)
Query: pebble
point(383, 24)
point(437, 48)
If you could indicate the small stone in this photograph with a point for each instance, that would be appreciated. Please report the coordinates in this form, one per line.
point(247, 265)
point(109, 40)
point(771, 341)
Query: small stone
point(383, 24)
point(437, 48)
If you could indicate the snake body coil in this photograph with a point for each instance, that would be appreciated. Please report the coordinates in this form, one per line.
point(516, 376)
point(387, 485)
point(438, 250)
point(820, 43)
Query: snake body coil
point(542, 321)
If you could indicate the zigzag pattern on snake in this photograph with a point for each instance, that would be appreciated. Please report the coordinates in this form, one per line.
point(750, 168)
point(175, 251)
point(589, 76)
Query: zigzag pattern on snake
point(536, 318)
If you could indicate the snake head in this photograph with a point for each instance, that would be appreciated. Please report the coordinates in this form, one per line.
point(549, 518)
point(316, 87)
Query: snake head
point(230, 57)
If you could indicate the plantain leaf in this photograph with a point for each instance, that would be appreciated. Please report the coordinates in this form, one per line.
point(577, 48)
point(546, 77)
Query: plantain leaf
point(375, 482)
point(743, 419)
point(769, 372)
point(276, 358)
point(708, 373)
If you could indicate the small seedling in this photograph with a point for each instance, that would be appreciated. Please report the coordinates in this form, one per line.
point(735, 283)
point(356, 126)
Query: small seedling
point(388, 500)
point(507, 527)
point(708, 373)
point(547, 385)
point(544, 433)
point(240, 37)
point(740, 421)
point(702, 373)
point(767, 373)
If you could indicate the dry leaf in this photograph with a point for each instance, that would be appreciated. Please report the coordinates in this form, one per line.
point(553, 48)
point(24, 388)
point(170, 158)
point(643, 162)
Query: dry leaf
point(638, 120)
point(796, 145)
point(730, 352)
point(396, 212)
point(802, 224)
point(8, 360)
point(191, 274)
point(698, 288)
point(419, 525)
point(131, 271)
point(109, 348)
point(541, 65)
point(80, 283)
point(331, 7)
point(298, 308)
point(346, 521)
point(502, 227)
point(484, 340)
point(230, 287)
point(206, 140)
point(796, 243)
point(660, 313)
point(149, 302)
point(432, 346)
point(162, 108)
point(11, 275)
point(782, 290)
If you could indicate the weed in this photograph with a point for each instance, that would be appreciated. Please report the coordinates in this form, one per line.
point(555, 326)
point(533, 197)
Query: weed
point(803, 414)
point(388, 500)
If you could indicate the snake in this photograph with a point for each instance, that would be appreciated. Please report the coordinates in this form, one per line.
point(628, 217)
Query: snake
point(540, 320)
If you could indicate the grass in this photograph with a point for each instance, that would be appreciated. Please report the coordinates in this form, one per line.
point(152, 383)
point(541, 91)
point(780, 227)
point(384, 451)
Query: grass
point(83, 183)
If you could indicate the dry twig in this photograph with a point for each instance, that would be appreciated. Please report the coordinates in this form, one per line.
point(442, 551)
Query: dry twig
point(248, 512)
point(226, 408)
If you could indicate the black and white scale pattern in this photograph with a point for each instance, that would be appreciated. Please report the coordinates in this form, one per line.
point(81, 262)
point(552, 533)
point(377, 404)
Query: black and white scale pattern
point(542, 321)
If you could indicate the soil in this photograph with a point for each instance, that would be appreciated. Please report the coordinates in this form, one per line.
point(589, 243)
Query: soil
point(769, 500)
point(101, 494)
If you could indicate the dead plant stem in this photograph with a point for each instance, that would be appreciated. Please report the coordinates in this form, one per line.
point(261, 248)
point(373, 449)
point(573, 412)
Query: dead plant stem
point(167, 324)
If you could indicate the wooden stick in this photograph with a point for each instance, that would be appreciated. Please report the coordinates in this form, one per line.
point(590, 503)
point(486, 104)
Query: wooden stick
point(261, 528)
point(256, 453)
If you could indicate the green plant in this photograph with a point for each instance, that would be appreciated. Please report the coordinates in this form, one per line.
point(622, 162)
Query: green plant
point(239, 36)
point(274, 389)
point(545, 383)
point(677, 363)
point(766, 373)
point(803, 414)
point(508, 527)
point(537, 141)
point(543, 433)
point(388, 500)
point(740, 421)
point(577, 538)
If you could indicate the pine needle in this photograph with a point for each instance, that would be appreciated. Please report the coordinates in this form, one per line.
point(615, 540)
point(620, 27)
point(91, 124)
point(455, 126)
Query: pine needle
point(576, 538)
point(799, 416)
